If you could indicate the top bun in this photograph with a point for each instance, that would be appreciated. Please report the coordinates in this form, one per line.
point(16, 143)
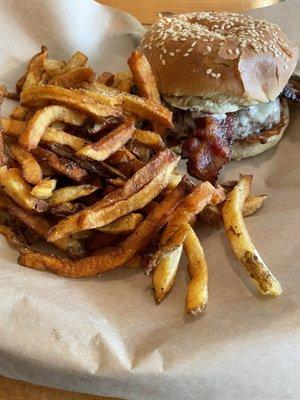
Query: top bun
point(219, 56)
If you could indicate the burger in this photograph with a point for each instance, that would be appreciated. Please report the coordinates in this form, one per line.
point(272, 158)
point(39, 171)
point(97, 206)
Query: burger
point(225, 77)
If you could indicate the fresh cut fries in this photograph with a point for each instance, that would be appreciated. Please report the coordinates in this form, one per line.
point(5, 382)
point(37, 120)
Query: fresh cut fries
point(241, 242)
point(70, 193)
point(44, 189)
point(123, 225)
point(31, 170)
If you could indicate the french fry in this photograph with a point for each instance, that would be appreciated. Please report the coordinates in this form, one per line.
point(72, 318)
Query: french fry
point(113, 257)
point(165, 273)
point(70, 193)
point(66, 209)
point(148, 138)
point(135, 194)
point(39, 96)
point(53, 67)
point(241, 242)
point(252, 204)
point(62, 165)
point(40, 225)
point(12, 239)
point(123, 81)
point(197, 292)
point(144, 108)
point(74, 77)
point(110, 143)
point(31, 169)
point(123, 225)
point(78, 59)
point(143, 76)
point(35, 70)
point(19, 190)
point(37, 125)
point(15, 129)
point(106, 78)
point(19, 113)
point(44, 189)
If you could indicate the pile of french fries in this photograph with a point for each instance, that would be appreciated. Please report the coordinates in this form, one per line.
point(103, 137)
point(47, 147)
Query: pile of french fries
point(83, 167)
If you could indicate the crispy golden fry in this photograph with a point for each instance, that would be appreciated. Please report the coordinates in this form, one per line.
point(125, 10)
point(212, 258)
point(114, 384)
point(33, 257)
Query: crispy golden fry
point(143, 187)
point(77, 60)
point(44, 189)
point(70, 193)
point(35, 70)
point(40, 225)
point(112, 257)
point(123, 225)
point(109, 143)
point(144, 108)
point(119, 182)
point(197, 292)
point(176, 231)
point(165, 273)
point(40, 121)
point(241, 242)
point(212, 215)
point(19, 190)
point(252, 204)
point(31, 169)
point(19, 113)
point(106, 78)
point(15, 129)
point(143, 76)
point(148, 138)
point(62, 165)
point(74, 77)
point(53, 67)
point(78, 100)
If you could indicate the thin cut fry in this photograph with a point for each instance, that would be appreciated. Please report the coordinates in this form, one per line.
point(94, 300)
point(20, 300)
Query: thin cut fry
point(62, 165)
point(144, 108)
point(39, 96)
point(241, 242)
point(148, 138)
point(35, 69)
point(113, 257)
point(37, 125)
point(74, 77)
point(70, 193)
point(44, 189)
point(19, 113)
point(19, 190)
point(197, 292)
point(123, 225)
point(31, 169)
point(135, 194)
point(110, 143)
point(12, 239)
point(143, 76)
point(164, 274)
point(252, 204)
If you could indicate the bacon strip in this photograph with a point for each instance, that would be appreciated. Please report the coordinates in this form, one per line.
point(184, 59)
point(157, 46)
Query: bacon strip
point(208, 147)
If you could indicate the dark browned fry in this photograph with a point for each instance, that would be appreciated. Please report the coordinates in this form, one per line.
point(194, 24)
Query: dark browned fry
point(3, 158)
point(62, 165)
point(106, 78)
point(66, 209)
point(12, 239)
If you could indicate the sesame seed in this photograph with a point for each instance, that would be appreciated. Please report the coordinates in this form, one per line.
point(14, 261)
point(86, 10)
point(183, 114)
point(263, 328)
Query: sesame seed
point(190, 50)
point(186, 54)
point(160, 56)
point(208, 71)
point(208, 48)
point(183, 39)
point(171, 54)
point(237, 52)
point(164, 50)
point(218, 75)
point(177, 50)
point(213, 75)
point(194, 43)
point(230, 51)
point(163, 62)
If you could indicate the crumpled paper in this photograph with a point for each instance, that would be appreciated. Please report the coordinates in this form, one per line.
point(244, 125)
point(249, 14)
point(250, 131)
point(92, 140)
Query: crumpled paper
point(105, 335)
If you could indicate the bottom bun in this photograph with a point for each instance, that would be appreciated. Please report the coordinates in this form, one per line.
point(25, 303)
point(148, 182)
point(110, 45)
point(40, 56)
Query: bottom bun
point(256, 144)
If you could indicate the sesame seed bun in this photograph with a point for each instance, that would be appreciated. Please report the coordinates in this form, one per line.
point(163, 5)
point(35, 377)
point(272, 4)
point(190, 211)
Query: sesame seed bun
point(219, 56)
point(257, 144)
